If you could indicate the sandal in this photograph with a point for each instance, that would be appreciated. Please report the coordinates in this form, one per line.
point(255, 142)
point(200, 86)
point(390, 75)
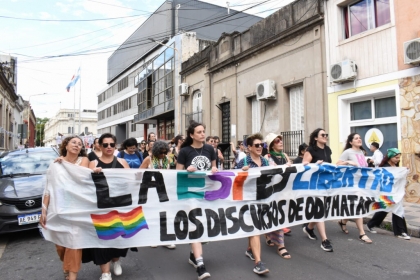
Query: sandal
point(343, 226)
point(284, 255)
point(268, 241)
point(366, 239)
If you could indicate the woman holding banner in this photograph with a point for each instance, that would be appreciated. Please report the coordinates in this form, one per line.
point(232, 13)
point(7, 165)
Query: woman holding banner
point(391, 159)
point(275, 157)
point(72, 151)
point(318, 152)
point(353, 155)
point(254, 159)
point(197, 156)
point(158, 160)
point(104, 256)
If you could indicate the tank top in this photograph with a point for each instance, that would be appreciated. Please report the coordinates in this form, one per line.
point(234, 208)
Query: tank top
point(113, 164)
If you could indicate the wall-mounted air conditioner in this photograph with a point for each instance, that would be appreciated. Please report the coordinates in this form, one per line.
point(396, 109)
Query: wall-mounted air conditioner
point(343, 71)
point(412, 52)
point(266, 90)
point(183, 89)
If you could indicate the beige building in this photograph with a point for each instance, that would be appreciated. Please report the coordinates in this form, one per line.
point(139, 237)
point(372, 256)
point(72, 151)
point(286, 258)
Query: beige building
point(269, 78)
point(66, 123)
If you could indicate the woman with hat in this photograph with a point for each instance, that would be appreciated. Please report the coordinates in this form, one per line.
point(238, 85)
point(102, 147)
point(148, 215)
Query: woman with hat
point(276, 157)
point(392, 159)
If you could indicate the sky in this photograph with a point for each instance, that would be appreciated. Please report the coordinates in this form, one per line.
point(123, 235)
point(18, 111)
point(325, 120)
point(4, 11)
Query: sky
point(52, 39)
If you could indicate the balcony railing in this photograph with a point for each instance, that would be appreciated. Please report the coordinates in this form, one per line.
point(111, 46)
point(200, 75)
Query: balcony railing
point(291, 142)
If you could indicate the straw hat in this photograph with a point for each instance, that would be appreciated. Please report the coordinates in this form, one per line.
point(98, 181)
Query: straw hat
point(270, 137)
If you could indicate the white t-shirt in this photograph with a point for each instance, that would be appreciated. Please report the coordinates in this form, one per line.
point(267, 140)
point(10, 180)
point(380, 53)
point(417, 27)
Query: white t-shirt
point(240, 156)
point(377, 157)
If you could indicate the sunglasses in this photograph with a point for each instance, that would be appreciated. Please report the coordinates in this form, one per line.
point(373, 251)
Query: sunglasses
point(258, 145)
point(105, 145)
point(324, 135)
point(277, 140)
point(163, 153)
point(143, 143)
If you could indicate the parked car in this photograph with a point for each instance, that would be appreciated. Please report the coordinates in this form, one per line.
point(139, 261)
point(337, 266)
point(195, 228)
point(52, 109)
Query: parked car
point(22, 182)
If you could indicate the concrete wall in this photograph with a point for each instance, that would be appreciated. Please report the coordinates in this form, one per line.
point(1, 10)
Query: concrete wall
point(407, 21)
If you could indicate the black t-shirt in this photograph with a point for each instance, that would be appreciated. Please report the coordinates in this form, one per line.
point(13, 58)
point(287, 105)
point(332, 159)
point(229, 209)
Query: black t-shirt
point(320, 154)
point(297, 160)
point(92, 156)
point(199, 158)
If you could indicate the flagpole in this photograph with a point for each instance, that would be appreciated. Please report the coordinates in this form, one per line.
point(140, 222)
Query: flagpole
point(74, 109)
point(80, 97)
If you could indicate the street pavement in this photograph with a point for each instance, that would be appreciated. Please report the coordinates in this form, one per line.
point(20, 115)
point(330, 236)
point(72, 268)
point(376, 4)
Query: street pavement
point(28, 256)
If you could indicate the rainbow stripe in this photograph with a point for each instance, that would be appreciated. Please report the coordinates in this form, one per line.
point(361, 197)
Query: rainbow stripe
point(383, 203)
point(113, 224)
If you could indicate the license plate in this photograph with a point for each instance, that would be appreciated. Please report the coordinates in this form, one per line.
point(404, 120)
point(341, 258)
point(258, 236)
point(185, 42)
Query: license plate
point(29, 219)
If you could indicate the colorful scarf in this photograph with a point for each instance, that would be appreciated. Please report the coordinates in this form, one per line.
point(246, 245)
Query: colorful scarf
point(156, 163)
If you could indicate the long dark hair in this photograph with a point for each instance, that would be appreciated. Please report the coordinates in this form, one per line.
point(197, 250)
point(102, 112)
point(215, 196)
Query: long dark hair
point(177, 138)
point(314, 134)
point(188, 140)
point(349, 140)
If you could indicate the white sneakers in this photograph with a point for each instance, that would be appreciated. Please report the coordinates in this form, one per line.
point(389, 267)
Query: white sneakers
point(106, 276)
point(404, 236)
point(172, 246)
point(117, 268)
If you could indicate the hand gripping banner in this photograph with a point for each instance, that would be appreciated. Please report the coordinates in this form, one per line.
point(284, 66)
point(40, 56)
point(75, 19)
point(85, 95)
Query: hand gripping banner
point(123, 208)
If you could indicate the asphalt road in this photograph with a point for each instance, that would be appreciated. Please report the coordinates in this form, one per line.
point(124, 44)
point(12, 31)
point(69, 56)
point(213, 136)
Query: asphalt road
point(28, 256)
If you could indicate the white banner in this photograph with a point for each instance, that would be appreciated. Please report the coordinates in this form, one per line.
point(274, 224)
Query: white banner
point(123, 208)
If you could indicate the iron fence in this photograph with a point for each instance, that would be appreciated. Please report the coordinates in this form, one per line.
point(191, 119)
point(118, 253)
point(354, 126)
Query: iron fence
point(291, 142)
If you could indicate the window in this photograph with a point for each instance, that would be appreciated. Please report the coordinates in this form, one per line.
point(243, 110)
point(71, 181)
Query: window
point(70, 130)
point(133, 126)
point(365, 15)
point(197, 102)
point(373, 114)
point(297, 108)
point(256, 115)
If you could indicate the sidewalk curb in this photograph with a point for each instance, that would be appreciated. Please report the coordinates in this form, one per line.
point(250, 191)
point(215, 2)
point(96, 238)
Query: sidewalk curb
point(413, 231)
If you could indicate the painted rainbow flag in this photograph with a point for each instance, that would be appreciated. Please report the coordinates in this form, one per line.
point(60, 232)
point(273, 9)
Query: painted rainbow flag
point(383, 203)
point(113, 224)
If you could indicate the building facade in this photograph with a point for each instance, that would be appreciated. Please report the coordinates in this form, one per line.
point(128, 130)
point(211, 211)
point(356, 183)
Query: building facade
point(269, 78)
point(61, 125)
point(143, 82)
point(377, 95)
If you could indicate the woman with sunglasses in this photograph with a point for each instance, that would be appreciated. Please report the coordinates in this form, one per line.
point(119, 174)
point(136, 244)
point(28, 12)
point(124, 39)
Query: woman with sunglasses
point(399, 226)
point(142, 148)
point(275, 157)
point(318, 152)
point(104, 256)
point(158, 160)
point(197, 156)
point(353, 155)
point(253, 160)
point(72, 151)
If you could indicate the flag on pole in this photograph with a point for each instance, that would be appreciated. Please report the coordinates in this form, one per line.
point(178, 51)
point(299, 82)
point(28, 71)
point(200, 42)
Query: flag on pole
point(74, 80)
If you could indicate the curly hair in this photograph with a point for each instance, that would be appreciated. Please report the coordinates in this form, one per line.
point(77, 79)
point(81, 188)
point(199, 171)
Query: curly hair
point(159, 147)
point(314, 134)
point(63, 150)
point(250, 140)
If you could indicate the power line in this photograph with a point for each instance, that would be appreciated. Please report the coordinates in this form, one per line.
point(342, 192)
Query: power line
point(68, 20)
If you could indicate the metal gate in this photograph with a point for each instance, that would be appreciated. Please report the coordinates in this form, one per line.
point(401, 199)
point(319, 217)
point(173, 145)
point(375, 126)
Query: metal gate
point(226, 132)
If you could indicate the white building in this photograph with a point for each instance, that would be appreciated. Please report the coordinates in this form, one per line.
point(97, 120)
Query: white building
point(64, 121)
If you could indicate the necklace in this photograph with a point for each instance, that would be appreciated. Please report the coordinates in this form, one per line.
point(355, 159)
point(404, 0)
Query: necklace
point(202, 148)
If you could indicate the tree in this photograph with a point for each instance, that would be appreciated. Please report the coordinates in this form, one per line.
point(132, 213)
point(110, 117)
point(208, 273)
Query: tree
point(40, 125)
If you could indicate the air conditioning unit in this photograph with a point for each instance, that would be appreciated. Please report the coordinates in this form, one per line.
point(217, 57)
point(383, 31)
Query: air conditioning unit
point(266, 90)
point(412, 52)
point(183, 89)
point(343, 71)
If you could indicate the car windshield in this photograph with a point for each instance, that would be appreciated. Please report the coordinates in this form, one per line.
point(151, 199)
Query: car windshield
point(32, 162)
